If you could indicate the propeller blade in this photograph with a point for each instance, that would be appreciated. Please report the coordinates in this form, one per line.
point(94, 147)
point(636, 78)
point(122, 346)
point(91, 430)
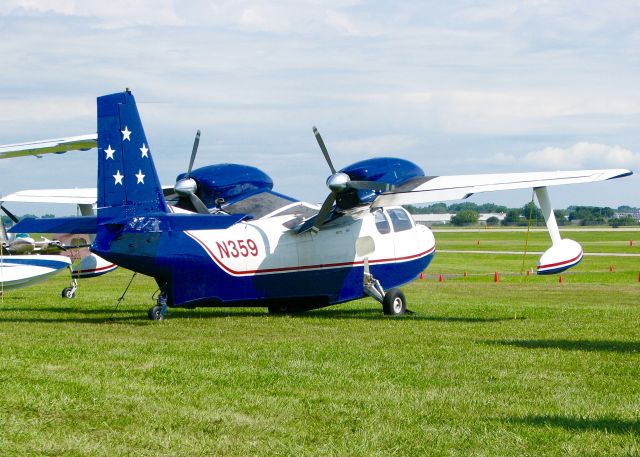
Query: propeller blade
point(9, 214)
point(324, 212)
point(370, 185)
point(324, 149)
point(197, 204)
point(196, 142)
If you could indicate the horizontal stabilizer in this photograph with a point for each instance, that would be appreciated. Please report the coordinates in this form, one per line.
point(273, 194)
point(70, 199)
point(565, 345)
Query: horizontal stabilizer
point(55, 146)
point(177, 222)
point(73, 225)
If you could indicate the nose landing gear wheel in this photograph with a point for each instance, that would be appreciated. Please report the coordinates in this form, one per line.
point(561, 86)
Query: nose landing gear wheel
point(68, 292)
point(394, 303)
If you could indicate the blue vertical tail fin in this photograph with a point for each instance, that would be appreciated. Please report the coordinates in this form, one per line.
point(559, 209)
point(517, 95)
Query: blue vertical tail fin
point(128, 184)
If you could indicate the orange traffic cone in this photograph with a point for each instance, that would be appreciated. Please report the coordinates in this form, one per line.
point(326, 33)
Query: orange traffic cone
point(466, 274)
point(421, 276)
point(631, 243)
point(611, 268)
point(561, 280)
point(496, 277)
point(441, 278)
point(477, 242)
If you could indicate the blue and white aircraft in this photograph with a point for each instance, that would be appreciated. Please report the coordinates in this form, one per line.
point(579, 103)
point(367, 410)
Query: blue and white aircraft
point(230, 240)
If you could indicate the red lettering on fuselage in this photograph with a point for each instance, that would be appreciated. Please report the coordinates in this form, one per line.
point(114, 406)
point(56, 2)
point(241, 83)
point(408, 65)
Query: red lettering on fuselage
point(237, 248)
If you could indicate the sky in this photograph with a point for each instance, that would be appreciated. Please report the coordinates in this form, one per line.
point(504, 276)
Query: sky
point(457, 87)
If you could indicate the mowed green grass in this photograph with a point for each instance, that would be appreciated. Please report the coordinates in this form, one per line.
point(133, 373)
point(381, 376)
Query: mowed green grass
point(611, 240)
point(526, 366)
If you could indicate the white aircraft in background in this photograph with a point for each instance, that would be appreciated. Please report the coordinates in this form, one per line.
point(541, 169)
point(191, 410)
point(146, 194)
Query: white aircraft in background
point(24, 270)
point(82, 262)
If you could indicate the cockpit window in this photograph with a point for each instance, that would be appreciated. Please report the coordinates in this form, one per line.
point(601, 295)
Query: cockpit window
point(382, 224)
point(400, 219)
point(257, 205)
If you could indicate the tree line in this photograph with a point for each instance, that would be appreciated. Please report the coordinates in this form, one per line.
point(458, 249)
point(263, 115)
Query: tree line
point(467, 213)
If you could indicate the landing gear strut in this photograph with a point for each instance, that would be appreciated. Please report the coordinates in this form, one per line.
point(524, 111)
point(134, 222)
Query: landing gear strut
point(70, 292)
point(393, 301)
point(157, 312)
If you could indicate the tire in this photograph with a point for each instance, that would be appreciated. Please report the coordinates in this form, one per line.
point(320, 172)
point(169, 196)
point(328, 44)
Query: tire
point(278, 310)
point(68, 292)
point(155, 313)
point(394, 303)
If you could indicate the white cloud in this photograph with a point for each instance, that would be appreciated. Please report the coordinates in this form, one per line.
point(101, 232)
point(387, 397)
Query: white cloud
point(112, 14)
point(445, 84)
point(581, 155)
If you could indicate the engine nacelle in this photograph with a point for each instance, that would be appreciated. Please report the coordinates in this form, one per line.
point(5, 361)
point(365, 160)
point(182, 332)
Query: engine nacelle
point(388, 170)
point(562, 255)
point(229, 182)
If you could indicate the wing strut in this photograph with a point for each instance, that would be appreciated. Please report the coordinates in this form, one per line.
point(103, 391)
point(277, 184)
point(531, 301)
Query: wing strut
point(547, 211)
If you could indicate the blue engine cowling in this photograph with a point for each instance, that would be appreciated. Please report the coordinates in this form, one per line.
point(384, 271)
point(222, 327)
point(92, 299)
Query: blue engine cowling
point(228, 181)
point(388, 170)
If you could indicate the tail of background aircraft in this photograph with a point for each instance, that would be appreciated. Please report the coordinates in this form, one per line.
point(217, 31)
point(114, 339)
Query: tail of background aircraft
point(128, 184)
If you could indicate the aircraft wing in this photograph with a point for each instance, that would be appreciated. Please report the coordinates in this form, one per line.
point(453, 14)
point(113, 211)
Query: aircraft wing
point(80, 196)
point(457, 187)
point(56, 146)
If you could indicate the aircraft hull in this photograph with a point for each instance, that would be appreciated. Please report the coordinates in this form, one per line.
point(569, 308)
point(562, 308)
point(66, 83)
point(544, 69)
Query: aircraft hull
point(219, 268)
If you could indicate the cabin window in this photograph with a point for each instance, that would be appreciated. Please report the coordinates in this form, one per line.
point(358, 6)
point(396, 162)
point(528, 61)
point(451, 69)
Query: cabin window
point(382, 224)
point(400, 219)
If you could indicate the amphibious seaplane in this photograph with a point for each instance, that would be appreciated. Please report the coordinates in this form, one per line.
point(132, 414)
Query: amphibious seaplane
point(230, 240)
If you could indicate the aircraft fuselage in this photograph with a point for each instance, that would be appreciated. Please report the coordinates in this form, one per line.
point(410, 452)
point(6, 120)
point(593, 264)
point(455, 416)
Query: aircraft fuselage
point(264, 262)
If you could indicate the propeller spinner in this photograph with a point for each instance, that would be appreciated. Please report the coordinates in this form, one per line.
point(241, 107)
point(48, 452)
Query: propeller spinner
point(187, 186)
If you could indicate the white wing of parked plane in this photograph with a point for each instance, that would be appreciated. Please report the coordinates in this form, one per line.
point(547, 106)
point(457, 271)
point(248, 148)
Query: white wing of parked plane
point(457, 187)
point(80, 196)
point(55, 146)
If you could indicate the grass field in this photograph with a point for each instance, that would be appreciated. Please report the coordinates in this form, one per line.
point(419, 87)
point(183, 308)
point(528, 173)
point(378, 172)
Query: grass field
point(527, 366)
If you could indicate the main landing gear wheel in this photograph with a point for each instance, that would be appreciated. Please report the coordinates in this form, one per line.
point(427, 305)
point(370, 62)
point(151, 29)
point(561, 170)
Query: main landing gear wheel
point(394, 303)
point(278, 310)
point(155, 313)
point(68, 292)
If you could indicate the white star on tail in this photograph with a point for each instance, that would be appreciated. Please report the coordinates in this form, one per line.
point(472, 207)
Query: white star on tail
point(109, 152)
point(140, 177)
point(144, 150)
point(126, 134)
point(118, 178)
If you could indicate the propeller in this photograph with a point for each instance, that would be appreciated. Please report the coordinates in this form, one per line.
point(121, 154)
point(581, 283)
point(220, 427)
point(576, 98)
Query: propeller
point(187, 186)
point(339, 182)
point(9, 214)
